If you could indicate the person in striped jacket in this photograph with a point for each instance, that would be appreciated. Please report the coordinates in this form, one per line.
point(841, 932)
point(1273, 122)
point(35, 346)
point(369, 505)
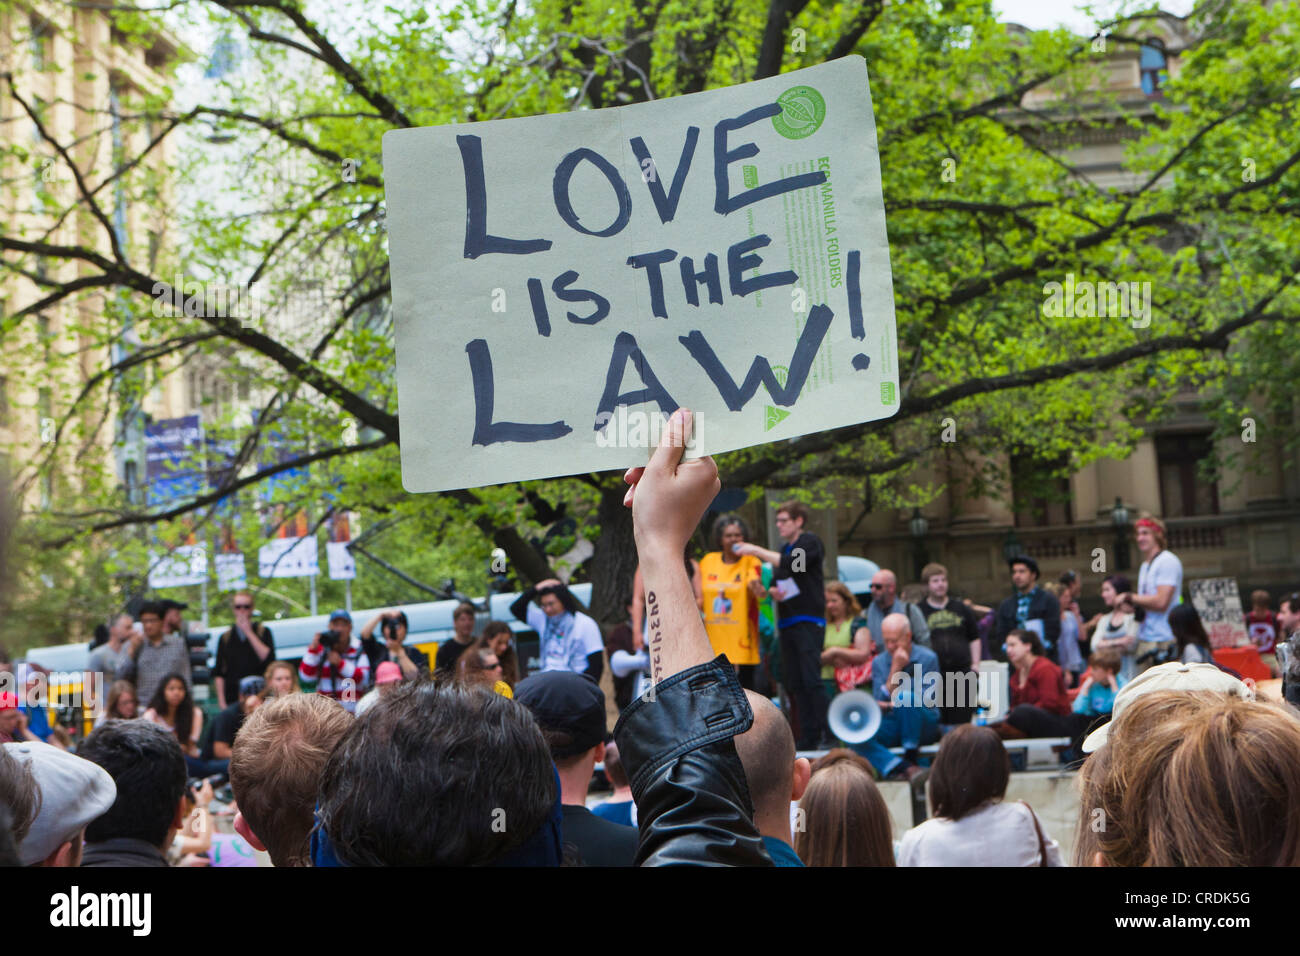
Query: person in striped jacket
point(342, 670)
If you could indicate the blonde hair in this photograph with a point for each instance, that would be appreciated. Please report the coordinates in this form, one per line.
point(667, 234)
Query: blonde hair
point(1193, 778)
point(272, 668)
point(1157, 528)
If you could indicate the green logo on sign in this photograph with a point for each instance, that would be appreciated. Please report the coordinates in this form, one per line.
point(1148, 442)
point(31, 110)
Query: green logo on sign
point(775, 415)
point(751, 175)
point(802, 112)
point(887, 393)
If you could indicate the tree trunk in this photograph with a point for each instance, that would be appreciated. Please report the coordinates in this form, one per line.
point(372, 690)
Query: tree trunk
point(614, 561)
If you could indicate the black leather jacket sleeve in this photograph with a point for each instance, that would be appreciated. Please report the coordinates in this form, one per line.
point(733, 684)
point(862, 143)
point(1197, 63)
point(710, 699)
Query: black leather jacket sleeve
point(692, 797)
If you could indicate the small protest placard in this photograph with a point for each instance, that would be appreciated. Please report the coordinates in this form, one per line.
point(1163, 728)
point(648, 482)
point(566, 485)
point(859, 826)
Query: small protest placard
point(231, 574)
point(1219, 604)
point(288, 558)
point(562, 283)
point(342, 565)
point(183, 566)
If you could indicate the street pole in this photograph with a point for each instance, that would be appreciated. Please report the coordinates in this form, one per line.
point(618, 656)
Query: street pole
point(203, 601)
point(347, 595)
point(313, 595)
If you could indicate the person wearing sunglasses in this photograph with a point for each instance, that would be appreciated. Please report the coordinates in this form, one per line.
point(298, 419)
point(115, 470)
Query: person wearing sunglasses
point(243, 651)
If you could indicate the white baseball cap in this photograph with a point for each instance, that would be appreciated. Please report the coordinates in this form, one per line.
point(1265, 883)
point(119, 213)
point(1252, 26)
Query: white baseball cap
point(74, 792)
point(1172, 676)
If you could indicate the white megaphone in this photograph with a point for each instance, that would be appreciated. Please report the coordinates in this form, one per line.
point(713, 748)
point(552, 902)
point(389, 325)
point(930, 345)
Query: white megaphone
point(854, 716)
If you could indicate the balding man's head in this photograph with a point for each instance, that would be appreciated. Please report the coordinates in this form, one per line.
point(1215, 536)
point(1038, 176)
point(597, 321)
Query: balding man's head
point(884, 588)
point(775, 777)
point(896, 631)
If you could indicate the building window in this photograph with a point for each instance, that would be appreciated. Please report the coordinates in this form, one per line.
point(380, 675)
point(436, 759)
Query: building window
point(45, 424)
point(1040, 494)
point(1185, 491)
point(1152, 63)
point(129, 480)
point(38, 113)
point(44, 335)
point(38, 44)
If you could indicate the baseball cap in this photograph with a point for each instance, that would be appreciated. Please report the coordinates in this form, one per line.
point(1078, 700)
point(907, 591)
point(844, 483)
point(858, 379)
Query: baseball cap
point(74, 792)
point(568, 703)
point(1171, 676)
point(251, 685)
point(387, 673)
point(340, 615)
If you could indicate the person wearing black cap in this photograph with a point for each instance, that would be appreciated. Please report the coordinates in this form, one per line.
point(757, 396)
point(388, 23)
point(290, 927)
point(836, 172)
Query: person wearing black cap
point(172, 616)
point(570, 709)
point(1030, 608)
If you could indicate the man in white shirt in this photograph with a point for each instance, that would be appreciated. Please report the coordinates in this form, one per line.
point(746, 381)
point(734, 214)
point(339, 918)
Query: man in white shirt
point(1160, 585)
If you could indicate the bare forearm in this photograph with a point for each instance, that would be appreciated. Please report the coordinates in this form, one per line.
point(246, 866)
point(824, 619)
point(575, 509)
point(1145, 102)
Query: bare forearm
point(638, 619)
point(409, 670)
point(853, 656)
point(677, 639)
point(263, 651)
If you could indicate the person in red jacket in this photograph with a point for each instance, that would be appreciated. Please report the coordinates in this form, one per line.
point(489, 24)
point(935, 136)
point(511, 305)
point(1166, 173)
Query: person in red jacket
point(1039, 705)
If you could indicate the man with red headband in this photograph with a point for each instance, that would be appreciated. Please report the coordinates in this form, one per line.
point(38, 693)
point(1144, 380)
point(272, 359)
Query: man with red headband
point(1160, 585)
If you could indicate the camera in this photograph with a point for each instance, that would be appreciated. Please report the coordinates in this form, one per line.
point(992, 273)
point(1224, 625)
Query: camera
point(390, 626)
point(195, 784)
point(327, 639)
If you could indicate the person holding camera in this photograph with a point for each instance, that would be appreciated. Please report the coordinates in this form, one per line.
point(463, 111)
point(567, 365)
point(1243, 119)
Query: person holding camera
point(393, 627)
point(334, 662)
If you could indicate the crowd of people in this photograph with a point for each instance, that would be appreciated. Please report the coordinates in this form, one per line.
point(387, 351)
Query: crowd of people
point(723, 753)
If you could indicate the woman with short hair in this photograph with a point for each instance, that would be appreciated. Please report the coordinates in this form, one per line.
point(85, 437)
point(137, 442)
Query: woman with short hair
point(730, 589)
point(970, 824)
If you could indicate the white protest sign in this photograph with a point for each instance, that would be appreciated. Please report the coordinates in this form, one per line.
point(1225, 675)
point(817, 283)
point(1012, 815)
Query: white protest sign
point(231, 575)
point(562, 283)
point(288, 558)
point(184, 566)
point(1218, 603)
point(341, 563)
